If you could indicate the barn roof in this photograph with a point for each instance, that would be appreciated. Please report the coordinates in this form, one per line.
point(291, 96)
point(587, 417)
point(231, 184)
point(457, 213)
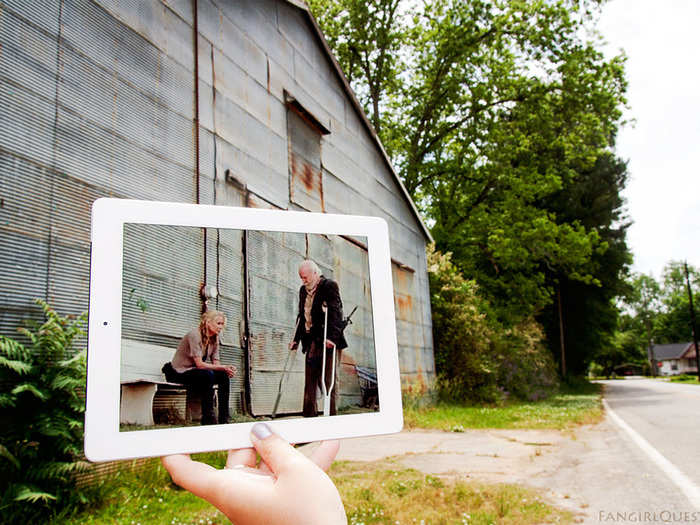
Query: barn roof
point(360, 111)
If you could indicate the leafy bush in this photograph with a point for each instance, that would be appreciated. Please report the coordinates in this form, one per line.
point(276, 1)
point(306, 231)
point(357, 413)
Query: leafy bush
point(526, 368)
point(477, 358)
point(462, 336)
point(41, 418)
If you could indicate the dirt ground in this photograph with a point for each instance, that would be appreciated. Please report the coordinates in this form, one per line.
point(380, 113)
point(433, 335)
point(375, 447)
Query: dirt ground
point(594, 471)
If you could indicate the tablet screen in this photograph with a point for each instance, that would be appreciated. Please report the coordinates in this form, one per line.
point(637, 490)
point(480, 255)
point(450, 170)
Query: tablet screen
point(251, 280)
point(204, 319)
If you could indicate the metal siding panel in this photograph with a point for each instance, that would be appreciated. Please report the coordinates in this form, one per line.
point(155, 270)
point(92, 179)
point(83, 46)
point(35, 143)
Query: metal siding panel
point(258, 20)
point(183, 8)
point(205, 64)
point(207, 156)
point(273, 261)
point(229, 280)
point(238, 127)
point(282, 80)
point(241, 89)
point(26, 123)
point(43, 14)
point(163, 269)
point(258, 177)
point(243, 51)
point(344, 168)
point(89, 29)
point(23, 260)
point(28, 55)
point(100, 158)
point(326, 91)
point(208, 22)
point(206, 106)
point(157, 24)
point(296, 29)
point(306, 182)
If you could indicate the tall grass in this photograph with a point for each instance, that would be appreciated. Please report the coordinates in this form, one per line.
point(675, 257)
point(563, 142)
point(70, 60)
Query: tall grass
point(576, 404)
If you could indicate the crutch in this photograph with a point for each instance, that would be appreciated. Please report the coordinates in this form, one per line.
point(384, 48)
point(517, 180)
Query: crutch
point(285, 372)
point(327, 391)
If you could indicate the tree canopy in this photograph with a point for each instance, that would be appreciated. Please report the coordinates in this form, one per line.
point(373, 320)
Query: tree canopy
point(500, 118)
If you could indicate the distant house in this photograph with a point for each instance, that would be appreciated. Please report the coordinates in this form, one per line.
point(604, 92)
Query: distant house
point(675, 358)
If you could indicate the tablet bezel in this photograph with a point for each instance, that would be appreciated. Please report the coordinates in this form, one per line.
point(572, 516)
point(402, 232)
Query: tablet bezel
point(104, 441)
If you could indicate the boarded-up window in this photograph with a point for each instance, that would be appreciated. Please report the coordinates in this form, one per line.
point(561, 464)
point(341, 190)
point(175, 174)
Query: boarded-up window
point(305, 175)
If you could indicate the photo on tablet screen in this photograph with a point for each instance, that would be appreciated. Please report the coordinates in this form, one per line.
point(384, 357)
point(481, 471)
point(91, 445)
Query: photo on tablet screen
point(262, 290)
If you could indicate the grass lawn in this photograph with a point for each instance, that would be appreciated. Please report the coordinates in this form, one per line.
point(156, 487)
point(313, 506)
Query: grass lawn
point(685, 378)
point(378, 492)
point(384, 493)
point(572, 407)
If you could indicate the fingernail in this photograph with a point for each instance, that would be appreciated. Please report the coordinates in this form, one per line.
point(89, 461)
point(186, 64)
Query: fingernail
point(261, 431)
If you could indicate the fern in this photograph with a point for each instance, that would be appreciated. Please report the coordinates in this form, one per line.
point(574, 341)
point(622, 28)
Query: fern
point(17, 366)
point(41, 421)
point(4, 453)
point(31, 495)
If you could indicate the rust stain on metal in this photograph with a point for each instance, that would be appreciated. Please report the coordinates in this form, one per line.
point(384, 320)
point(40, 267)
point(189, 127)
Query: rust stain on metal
point(405, 304)
point(255, 201)
point(307, 177)
point(403, 279)
point(259, 344)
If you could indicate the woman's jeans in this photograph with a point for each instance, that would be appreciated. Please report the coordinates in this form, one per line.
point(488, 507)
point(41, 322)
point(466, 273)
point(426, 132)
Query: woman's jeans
point(201, 382)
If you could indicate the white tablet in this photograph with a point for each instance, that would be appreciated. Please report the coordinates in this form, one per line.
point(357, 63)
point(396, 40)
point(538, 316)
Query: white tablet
point(192, 312)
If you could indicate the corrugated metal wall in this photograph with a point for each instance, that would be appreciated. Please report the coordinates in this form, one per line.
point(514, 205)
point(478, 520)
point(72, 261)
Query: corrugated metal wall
point(98, 100)
point(273, 260)
point(91, 107)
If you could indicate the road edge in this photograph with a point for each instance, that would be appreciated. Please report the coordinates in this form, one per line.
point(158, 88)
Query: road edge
point(685, 484)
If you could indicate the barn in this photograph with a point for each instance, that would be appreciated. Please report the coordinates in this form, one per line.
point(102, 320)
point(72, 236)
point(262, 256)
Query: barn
point(223, 102)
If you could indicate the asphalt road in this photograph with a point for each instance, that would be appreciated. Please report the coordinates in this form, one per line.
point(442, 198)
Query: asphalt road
point(666, 414)
point(598, 472)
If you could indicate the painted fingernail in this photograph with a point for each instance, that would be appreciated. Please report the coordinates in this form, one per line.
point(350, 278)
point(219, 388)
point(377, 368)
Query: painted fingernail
point(261, 431)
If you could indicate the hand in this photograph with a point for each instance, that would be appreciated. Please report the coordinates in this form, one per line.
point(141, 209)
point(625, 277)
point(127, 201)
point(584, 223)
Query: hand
point(230, 370)
point(330, 344)
point(287, 487)
point(293, 345)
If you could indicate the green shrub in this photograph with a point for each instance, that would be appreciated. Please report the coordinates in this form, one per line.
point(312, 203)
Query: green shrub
point(463, 339)
point(477, 359)
point(41, 418)
point(526, 369)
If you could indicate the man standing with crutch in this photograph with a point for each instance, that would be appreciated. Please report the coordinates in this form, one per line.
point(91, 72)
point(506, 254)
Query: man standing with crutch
point(320, 325)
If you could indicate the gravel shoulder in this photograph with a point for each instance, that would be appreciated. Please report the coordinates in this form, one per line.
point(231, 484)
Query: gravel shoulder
point(594, 471)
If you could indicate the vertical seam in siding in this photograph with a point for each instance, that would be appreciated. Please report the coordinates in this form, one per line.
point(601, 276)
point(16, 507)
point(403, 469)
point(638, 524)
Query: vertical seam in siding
point(55, 145)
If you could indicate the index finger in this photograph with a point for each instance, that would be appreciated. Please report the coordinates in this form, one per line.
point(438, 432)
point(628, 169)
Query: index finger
point(190, 475)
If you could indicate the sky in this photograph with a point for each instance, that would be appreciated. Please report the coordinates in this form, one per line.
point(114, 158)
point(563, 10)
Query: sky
point(661, 39)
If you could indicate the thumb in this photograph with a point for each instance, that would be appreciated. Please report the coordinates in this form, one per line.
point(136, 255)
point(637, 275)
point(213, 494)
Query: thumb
point(277, 454)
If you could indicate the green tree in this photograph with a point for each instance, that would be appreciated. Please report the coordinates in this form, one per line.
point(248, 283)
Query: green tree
point(41, 421)
point(589, 310)
point(672, 323)
point(657, 312)
point(367, 37)
point(476, 357)
point(487, 108)
point(642, 304)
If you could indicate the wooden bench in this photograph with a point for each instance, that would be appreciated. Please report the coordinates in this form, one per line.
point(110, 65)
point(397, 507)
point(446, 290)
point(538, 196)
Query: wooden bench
point(140, 379)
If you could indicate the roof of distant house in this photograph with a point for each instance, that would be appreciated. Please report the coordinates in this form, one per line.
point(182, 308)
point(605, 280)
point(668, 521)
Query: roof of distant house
point(672, 351)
